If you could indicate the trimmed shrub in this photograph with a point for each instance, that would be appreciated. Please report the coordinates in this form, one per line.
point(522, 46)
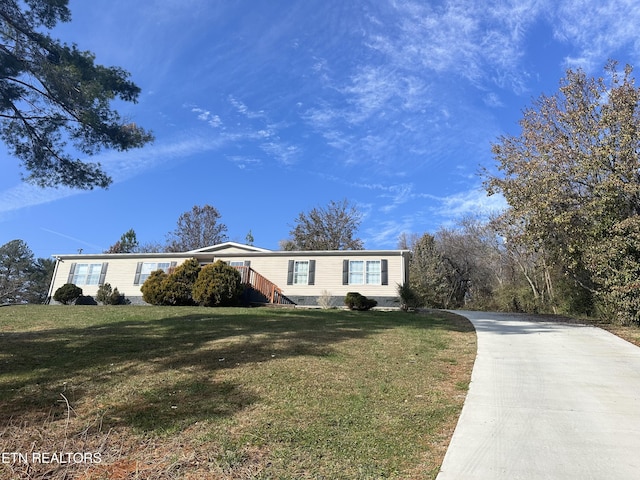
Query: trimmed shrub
point(356, 301)
point(152, 289)
point(85, 300)
point(218, 285)
point(67, 294)
point(409, 298)
point(177, 288)
point(108, 296)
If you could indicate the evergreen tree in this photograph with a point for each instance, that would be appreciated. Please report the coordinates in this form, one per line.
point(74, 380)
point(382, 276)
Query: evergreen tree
point(53, 94)
point(16, 269)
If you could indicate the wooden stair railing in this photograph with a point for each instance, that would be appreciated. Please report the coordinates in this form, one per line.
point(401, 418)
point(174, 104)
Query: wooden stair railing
point(265, 287)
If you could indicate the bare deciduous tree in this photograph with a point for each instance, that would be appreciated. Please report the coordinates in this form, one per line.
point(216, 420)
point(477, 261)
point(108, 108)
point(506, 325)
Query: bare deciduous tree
point(197, 228)
point(330, 228)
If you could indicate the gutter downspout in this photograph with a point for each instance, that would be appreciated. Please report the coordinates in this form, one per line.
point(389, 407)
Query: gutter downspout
point(53, 280)
point(405, 265)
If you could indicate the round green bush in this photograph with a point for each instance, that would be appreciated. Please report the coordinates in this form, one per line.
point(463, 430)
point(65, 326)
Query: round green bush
point(85, 300)
point(152, 289)
point(218, 285)
point(357, 301)
point(177, 288)
point(68, 293)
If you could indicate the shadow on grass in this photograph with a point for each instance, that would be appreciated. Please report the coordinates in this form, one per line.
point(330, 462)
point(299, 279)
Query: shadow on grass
point(167, 408)
point(37, 366)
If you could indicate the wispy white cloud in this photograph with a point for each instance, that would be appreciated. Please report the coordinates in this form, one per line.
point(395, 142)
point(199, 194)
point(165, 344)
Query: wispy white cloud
point(244, 110)
point(284, 152)
point(202, 114)
point(418, 216)
point(244, 162)
point(377, 90)
point(206, 116)
point(409, 93)
point(474, 202)
point(390, 195)
point(120, 165)
point(253, 126)
point(479, 42)
point(485, 43)
point(393, 195)
point(123, 166)
point(492, 100)
point(322, 116)
point(387, 232)
point(25, 195)
point(597, 29)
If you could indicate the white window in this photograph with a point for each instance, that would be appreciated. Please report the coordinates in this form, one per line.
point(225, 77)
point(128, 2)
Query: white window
point(365, 272)
point(148, 267)
point(356, 272)
point(236, 263)
point(373, 272)
point(87, 274)
point(301, 272)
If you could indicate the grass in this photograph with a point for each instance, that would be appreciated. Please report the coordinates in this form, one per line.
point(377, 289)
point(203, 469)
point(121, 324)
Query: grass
point(164, 393)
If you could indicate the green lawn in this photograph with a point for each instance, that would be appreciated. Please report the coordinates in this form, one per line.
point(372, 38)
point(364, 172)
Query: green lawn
point(181, 392)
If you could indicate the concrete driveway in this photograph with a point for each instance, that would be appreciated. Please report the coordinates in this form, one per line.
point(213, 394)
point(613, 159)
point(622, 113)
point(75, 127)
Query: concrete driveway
point(547, 401)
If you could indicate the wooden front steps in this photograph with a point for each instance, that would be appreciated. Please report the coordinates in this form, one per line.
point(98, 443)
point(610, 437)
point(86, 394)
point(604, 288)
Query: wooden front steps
point(261, 290)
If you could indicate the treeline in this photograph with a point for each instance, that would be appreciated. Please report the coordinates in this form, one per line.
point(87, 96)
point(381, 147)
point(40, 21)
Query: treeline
point(472, 266)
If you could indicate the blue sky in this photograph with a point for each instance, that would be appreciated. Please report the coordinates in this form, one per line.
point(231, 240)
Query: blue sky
point(266, 108)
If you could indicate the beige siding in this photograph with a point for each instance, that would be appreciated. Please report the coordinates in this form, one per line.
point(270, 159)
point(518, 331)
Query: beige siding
point(120, 273)
point(329, 278)
point(328, 274)
point(121, 270)
point(272, 268)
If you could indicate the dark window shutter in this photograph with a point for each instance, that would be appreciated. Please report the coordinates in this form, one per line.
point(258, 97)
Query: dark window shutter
point(345, 272)
point(384, 271)
point(290, 273)
point(103, 273)
point(136, 280)
point(312, 272)
point(247, 263)
point(72, 272)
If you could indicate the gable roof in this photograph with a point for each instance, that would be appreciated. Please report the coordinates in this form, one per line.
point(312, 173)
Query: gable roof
point(230, 247)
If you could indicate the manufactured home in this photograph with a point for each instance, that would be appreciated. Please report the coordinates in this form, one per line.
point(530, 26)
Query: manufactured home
point(279, 277)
